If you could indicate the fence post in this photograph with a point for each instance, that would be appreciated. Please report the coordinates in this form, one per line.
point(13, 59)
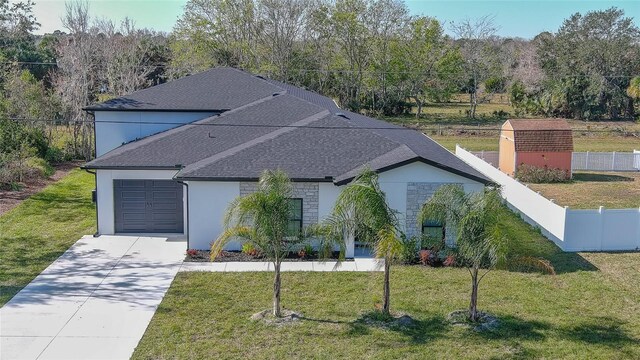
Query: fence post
point(613, 161)
point(586, 164)
point(601, 222)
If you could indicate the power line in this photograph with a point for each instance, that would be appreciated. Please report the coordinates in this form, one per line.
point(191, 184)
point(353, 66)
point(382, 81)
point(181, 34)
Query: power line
point(322, 71)
point(318, 127)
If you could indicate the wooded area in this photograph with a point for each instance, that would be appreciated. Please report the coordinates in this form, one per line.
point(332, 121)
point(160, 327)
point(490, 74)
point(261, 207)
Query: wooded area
point(371, 56)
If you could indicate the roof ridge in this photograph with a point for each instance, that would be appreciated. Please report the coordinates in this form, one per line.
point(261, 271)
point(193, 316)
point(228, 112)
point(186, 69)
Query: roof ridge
point(236, 149)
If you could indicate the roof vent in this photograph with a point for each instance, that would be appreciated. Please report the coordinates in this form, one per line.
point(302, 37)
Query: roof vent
point(261, 77)
point(342, 115)
point(279, 93)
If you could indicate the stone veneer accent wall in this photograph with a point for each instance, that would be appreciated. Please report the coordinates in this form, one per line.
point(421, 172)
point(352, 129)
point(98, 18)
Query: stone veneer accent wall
point(307, 191)
point(417, 194)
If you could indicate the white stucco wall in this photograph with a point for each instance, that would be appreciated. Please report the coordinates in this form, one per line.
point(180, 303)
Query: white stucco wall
point(208, 202)
point(394, 183)
point(106, 219)
point(138, 124)
point(328, 194)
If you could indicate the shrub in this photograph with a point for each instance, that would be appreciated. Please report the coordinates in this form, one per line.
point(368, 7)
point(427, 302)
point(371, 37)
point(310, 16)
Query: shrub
point(450, 260)
point(40, 167)
point(21, 165)
point(539, 175)
point(192, 252)
point(424, 255)
point(306, 251)
point(501, 114)
point(409, 253)
point(14, 135)
point(55, 155)
point(250, 249)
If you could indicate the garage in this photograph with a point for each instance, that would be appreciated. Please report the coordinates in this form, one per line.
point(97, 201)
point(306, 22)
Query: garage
point(148, 206)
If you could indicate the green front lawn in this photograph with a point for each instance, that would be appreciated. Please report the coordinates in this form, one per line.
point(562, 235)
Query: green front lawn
point(38, 231)
point(580, 313)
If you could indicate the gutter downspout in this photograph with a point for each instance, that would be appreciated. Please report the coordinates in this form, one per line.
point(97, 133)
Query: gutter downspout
point(95, 181)
point(95, 138)
point(95, 175)
point(186, 185)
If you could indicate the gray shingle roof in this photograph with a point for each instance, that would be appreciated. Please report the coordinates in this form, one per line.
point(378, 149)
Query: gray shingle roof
point(217, 89)
point(300, 132)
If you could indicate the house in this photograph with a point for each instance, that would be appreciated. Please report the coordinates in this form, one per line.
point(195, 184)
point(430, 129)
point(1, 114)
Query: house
point(545, 143)
point(171, 158)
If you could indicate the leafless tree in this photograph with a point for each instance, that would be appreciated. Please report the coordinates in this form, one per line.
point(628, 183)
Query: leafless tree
point(76, 77)
point(473, 36)
point(527, 68)
point(124, 51)
point(281, 25)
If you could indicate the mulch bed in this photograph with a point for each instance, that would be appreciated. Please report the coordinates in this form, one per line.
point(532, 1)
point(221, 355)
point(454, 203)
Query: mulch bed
point(226, 256)
point(11, 199)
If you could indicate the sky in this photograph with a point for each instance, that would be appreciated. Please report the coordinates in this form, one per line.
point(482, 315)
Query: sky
point(515, 18)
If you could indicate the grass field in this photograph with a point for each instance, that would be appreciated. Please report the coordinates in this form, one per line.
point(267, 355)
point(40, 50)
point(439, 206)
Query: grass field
point(36, 232)
point(448, 124)
point(582, 312)
point(591, 190)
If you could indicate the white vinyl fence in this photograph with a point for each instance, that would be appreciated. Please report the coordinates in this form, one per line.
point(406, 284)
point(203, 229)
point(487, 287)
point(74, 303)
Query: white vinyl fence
point(585, 161)
point(572, 230)
point(606, 161)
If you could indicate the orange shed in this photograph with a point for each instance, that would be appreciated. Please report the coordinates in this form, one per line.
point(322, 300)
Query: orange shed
point(536, 142)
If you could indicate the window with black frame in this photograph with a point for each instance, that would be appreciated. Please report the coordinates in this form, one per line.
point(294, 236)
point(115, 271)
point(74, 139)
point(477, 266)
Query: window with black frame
point(295, 218)
point(433, 229)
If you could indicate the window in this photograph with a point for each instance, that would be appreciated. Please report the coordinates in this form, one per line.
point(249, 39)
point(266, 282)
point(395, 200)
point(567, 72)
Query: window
point(295, 218)
point(433, 229)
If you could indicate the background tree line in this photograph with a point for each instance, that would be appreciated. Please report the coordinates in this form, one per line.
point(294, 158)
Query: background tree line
point(371, 56)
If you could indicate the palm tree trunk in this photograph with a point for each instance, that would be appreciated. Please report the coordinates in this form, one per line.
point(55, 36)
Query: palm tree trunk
point(473, 306)
point(387, 289)
point(276, 290)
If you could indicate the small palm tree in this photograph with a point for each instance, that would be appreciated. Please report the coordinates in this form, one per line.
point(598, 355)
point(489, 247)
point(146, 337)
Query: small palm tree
point(361, 210)
point(480, 244)
point(262, 219)
point(474, 217)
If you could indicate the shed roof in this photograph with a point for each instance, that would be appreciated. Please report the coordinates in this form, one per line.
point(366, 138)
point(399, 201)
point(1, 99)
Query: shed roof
point(541, 135)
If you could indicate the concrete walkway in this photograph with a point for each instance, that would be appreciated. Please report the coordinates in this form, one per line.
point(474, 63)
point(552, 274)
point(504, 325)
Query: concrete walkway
point(94, 302)
point(358, 264)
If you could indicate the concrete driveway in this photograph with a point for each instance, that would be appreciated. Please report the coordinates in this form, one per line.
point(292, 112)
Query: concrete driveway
point(94, 302)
